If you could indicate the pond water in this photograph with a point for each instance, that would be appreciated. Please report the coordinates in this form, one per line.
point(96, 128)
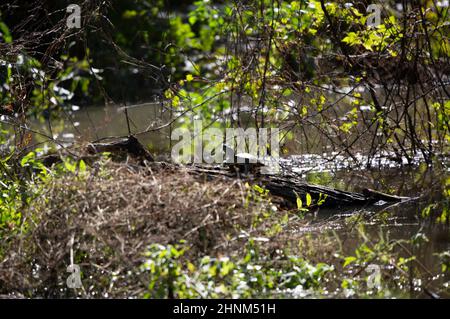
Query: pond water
point(96, 122)
point(401, 221)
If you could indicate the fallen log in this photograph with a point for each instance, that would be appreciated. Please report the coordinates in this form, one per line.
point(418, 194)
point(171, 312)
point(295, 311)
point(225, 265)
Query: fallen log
point(121, 147)
point(376, 195)
point(290, 188)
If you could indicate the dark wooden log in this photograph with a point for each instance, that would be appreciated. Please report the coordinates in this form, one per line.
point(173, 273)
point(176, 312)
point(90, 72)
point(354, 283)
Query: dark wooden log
point(121, 147)
point(290, 187)
point(376, 195)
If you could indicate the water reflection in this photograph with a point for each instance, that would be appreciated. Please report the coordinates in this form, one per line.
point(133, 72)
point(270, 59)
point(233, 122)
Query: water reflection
point(93, 123)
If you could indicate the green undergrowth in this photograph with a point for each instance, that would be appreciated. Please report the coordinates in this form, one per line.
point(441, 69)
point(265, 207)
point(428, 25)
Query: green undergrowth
point(264, 251)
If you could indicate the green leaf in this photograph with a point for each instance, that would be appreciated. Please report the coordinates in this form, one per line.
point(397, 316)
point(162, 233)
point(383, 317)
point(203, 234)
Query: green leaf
point(322, 198)
point(189, 77)
point(258, 189)
point(299, 203)
point(352, 39)
point(349, 260)
point(295, 5)
point(69, 166)
point(82, 166)
point(129, 14)
point(308, 199)
point(4, 31)
point(192, 19)
point(27, 158)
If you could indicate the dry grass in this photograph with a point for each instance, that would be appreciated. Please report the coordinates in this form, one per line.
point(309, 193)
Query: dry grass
point(109, 216)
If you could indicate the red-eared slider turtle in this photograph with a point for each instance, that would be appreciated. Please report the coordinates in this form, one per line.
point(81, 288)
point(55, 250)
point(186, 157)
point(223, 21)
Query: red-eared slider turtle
point(241, 163)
